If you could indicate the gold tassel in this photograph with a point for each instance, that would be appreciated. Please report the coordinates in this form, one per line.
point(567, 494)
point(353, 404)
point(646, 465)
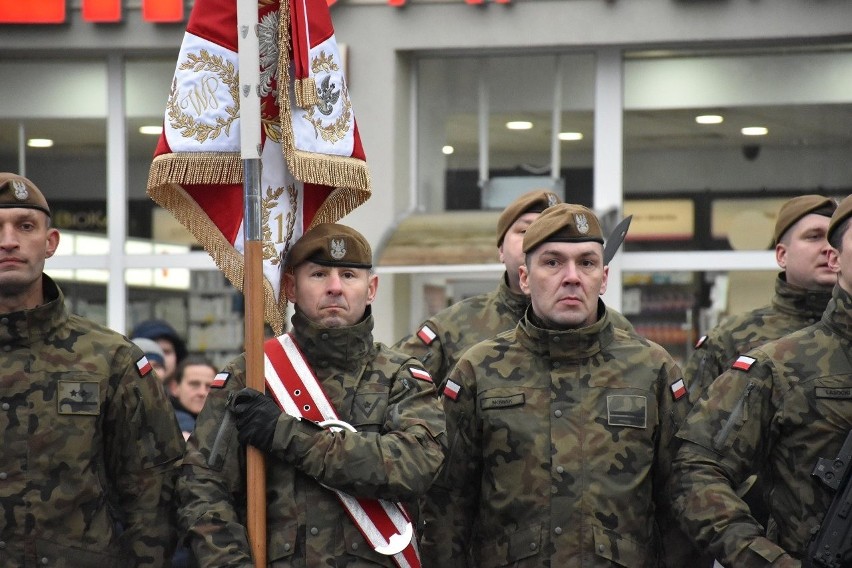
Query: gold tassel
point(306, 92)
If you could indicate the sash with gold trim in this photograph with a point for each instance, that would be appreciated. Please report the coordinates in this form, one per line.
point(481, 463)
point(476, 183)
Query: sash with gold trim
point(384, 524)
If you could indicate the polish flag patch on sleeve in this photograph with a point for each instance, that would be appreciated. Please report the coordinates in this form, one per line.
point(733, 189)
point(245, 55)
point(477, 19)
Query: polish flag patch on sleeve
point(421, 374)
point(452, 389)
point(426, 335)
point(144, 366)
point(701, 341)
point(220, 380)
point(743, 363)
point(678, 389)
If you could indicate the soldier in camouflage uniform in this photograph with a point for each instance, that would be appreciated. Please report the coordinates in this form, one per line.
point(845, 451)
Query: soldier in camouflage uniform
point(385, 395)
point(802, 291)
point(443, 338)
point(560, 429)
point(90, 444)
point(776, 410)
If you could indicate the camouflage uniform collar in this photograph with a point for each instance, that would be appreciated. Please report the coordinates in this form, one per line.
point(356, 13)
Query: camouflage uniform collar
point(565, 343)
point(343, 348)
point(797, 301)
point(517, 303)
point(26, 327)
point(838, 314)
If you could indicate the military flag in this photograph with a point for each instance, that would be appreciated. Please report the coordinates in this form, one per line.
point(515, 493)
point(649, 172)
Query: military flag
point(313, 164)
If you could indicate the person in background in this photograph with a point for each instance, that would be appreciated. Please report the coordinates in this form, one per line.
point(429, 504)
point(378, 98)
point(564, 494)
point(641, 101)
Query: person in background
point(173, 345)
point(153, 352)
point(773, 413)
point(193, 378)
point(392, 452)
point(90, 444)
point(442, 339)
point(802, 291)
point(562, 429)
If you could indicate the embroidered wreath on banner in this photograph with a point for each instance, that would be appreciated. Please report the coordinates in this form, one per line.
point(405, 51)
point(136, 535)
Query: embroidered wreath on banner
point(227, 73)
point(269, 204)
point(338, 129)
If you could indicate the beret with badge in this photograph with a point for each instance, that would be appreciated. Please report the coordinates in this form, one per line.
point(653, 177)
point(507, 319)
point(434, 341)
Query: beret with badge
point(843, 212)
point(17, 191)
point(531, 202)
point(331, 244)
point(566, 223)
point(798, 207)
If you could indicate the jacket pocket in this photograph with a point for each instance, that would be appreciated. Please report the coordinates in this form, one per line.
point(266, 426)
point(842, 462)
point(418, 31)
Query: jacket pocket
point(509, 548)
point(618, 549)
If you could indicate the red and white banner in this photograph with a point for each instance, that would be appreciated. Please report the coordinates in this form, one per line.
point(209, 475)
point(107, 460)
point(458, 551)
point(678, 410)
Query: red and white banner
point(313, 164)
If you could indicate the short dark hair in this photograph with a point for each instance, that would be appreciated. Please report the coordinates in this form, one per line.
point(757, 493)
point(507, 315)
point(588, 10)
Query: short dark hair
point(191, 360)
point(836, 238)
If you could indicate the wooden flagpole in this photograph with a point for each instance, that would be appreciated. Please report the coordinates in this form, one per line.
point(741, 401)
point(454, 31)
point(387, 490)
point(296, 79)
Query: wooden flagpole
point(250, 149)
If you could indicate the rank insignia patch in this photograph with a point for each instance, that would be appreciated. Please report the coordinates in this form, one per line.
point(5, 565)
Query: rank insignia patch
point(426, 335)
point(220, 380)
point(76, 397)
point(743, 363)
point(421, 374)
point(452, 390)
point(678, 389)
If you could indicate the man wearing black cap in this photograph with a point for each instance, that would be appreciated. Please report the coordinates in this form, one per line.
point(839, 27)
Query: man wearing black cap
point(560, 429)
point(383, 441)
point(776, 410)
point(91, 445)
point(442, 339)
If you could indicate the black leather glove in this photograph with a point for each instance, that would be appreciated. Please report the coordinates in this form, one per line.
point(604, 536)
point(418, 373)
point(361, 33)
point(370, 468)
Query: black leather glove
point(256, 415)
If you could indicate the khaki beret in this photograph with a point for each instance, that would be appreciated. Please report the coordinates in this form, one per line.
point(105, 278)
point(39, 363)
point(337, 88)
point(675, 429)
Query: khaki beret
point(566, 223)
point(532, 202)
point(843, 211)
point(797, 208)
point(18, 191)
point(330, 244)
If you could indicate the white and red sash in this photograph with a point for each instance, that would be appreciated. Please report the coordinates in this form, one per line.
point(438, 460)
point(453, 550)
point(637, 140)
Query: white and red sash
point(385, 525)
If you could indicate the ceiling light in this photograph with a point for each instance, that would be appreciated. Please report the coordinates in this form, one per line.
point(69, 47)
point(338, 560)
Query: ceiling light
point(754, 131)
point(447, 150)
point(151, 129)
point(519, 125)
point(709, 119)
point(570, 136)
point(39, 142)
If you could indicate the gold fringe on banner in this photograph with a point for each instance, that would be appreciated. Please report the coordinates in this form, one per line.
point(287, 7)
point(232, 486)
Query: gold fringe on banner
point(172, 197)
point(306, 92)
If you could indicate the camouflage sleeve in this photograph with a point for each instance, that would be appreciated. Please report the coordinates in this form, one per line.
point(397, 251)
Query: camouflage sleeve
point(425, 344)
point(711, 357)
point(449, 507)
point(398, 462)
point(143, 447)
point(211, 487)
point(725, 437)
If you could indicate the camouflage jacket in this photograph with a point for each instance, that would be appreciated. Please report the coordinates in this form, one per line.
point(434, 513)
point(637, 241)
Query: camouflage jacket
point(395, 455)
point(777, 410)
point(558, 441)
point(792, 308)
point(90, 445)
point(442, 339)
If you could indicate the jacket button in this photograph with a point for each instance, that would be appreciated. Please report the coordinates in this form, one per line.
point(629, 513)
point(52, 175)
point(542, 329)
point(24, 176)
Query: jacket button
point(532, 546)
point(5, 406)
point(314, 531)
point(601, 548)
point(287, 547)
point(3, 475)
point(560, 469)
point(558, 530)
point(2, 544)
point(354, 546)
point(557, 413)
point(44, 561)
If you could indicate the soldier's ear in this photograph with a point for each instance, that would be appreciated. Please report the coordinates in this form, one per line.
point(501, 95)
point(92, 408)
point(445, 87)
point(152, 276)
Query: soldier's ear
point(833, 260)
point(524, 279)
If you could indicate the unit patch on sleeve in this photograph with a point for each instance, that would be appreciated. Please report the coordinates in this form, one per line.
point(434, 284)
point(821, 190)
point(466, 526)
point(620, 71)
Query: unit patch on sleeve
point(678, 389)
point(700, 343)
point(426, 335)
point(451, 390)
point(743, 363)
point(143, 366)
point(421, 374)
point(220, 380)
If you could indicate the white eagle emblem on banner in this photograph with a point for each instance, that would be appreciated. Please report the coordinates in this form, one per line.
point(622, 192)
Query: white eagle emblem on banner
point(338, 249)
point(582, 223)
